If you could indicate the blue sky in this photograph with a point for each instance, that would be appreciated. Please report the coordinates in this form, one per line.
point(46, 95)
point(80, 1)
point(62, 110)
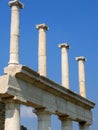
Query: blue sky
point(72, 21)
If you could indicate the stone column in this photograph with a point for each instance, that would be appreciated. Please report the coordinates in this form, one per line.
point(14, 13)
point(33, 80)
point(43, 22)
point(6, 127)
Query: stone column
point(42, 49)
point(14, 34)
point(66, 123)
point(43, 119)
point(81, 68)
point(12, 116)
point(83, 126)
point(64, 64)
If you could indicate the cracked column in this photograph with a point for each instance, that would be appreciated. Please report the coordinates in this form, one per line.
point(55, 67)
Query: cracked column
point(42, 49)
point(66, 123)
point(43, 119)
point(81, 72)
point(14, 34)
point(83, 126)
point(64, 64)
point(12, 116)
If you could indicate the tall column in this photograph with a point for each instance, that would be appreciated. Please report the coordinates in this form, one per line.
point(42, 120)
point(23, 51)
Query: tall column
point(12, 116)
point(66, 123)
point(81, 72)
point(42, 49)
point(64, 64)
point(43, 119)
point(14, 34)
point(83, 126)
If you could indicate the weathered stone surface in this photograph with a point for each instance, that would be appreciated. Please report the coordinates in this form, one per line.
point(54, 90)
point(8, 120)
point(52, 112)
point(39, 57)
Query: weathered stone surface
point(12, 115)
point(22, 85)
point(64, 63)
point(81, 72)
point(43, 119)
point(29, 88)
point(42, 67)
point(14, 37)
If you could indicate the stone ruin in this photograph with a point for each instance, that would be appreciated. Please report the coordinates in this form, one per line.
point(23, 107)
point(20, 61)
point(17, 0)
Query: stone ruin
point(22, 85)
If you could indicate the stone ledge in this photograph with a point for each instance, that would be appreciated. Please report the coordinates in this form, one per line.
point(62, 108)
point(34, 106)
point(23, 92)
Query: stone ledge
point(30, 88)
point(32, 76)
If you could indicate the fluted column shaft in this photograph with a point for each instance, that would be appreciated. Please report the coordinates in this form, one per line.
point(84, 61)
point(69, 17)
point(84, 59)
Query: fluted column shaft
point(64, 64)
point(12, 116)
point(14, 34)
point(43, 119)
point(42, 68)
point(66, 124)
point(81, 74)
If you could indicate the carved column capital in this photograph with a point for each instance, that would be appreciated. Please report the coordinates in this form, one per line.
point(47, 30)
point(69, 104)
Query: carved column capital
point(42, 26)
point(81, 58)
point(64, 45)
point(16, 3)
point(43, 118)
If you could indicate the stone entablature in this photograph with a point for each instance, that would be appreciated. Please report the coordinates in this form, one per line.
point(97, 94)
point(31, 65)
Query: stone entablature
point(44, 93)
